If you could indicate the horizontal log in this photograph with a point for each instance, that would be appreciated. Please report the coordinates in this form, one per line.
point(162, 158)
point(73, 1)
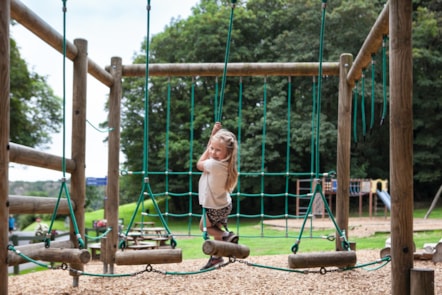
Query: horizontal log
point(45, 32)
point(370, 46)
point(218, 248)
point(323, 259)
point(40, 205)
point(64, 255)
point(28, 156)
point(159, 256)
point(437, 256)
point(31, 249)
point(233, 69)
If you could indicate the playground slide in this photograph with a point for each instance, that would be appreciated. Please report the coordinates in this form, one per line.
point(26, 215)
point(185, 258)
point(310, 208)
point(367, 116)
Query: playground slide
point(385, 197)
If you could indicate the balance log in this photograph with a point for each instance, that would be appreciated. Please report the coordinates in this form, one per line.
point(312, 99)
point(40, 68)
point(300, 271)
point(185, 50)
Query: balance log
point(66, 255)
point(226, 249)
point(157, 256)
point(33, 250)
point(323, 259)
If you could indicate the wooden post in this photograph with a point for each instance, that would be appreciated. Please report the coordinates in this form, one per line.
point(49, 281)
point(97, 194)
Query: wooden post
point(422, 281)
point(401, 144)
point(78, 178)
point(343, 147)
point(4, 141)
point(113, 172)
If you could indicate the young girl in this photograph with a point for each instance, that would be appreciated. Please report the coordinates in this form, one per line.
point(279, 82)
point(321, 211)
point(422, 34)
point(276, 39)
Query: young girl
point(219, 178)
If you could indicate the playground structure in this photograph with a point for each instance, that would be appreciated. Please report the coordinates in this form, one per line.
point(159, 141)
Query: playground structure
point(394, 20)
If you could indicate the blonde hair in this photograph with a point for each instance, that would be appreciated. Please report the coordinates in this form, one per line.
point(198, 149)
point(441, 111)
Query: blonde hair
point(229, 140)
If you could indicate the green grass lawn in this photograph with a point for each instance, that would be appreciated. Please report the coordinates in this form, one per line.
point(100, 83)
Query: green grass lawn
point(274, 242)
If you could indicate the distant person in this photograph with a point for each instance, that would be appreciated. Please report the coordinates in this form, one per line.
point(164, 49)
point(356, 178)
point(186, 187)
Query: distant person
point(41, 229)
point(219, 178)
point(11, 223)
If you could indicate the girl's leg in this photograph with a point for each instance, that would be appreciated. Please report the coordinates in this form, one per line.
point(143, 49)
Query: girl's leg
point(213, 231)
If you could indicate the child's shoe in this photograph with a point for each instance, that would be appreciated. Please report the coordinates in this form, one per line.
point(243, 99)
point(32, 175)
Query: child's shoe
point(213, 261)
point(231, 238)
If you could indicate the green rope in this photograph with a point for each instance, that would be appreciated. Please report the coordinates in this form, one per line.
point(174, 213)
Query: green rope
point(99, 130)
point(226, 60)
point(355, 113)
point(364, 129)
point(166, 168)
point(263, 150)
point(63, 187)
point(312, 138)
point(384, 78)
point(318, 109)
point(287, 163)
point(373, 63)
point(238, 138)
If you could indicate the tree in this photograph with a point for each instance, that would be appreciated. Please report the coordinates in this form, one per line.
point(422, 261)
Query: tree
point(269, 31)
point(35, 111)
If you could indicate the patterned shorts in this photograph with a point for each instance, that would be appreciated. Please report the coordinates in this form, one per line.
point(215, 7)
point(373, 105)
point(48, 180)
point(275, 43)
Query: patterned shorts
point(219, 216)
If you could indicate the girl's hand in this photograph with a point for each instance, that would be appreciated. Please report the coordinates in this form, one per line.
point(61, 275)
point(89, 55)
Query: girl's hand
point(216, 128)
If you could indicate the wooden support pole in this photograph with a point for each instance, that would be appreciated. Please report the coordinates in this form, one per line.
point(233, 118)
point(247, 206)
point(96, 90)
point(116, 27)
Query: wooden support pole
point(45, 32)
point(218, 248)
point(28, 156)
point(4, 140)
point(422, 281)
point(14, 259)
point(78, 176)
point(233, 69)
point(159, 256)
point(343, 147)
point(401, 144)
point(371, 45)
point(113, 168)
point(37, 205)
point(323, 259)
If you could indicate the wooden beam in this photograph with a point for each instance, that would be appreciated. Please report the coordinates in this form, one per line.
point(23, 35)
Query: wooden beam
point(370, 46)
point(45, 32)
point(28, 156)
point(233, 69)
point(37, 205)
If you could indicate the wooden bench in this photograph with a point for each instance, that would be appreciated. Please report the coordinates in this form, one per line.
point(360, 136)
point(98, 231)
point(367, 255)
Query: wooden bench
point(95, 250)
point(142, 246)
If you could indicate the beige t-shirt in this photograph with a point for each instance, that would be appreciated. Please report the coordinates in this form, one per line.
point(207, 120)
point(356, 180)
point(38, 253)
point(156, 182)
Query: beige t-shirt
point(211, 190)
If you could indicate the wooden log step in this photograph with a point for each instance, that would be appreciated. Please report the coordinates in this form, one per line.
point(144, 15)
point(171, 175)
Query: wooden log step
point(226, 249)
point(323, 259)
point(159, 256)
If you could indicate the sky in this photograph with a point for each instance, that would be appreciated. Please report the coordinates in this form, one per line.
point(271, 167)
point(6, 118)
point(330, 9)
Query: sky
point(112, 28)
